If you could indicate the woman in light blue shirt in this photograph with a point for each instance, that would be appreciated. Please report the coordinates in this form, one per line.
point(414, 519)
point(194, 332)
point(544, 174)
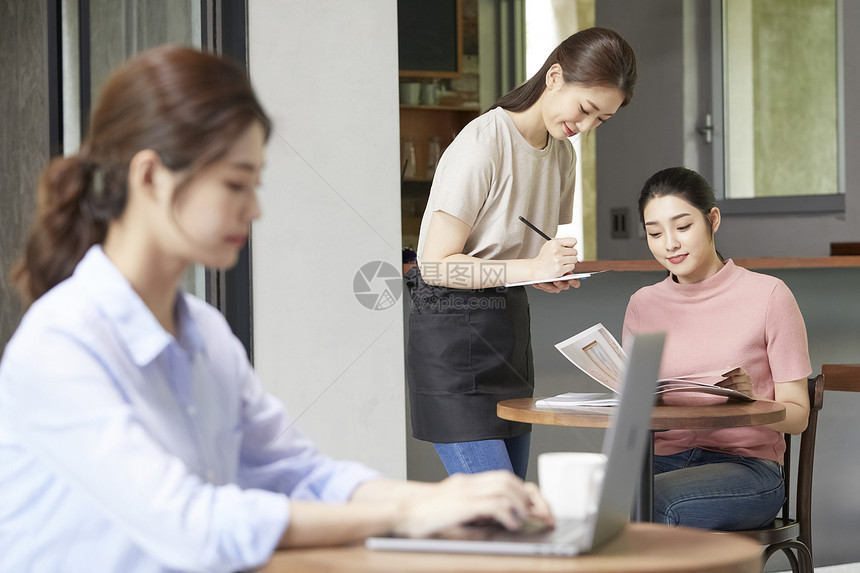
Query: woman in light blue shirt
point(134, 435)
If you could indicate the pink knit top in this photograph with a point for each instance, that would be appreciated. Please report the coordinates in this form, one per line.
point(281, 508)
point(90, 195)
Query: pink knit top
point(734, 318)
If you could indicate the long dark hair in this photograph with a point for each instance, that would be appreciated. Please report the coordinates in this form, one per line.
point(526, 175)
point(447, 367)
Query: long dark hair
point(679, 182)
point(186, 105)
point(594, 57)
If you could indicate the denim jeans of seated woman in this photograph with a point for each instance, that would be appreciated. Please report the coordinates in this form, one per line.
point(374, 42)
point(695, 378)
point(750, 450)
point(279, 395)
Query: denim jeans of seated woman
point(511, 454)
point(715, 490)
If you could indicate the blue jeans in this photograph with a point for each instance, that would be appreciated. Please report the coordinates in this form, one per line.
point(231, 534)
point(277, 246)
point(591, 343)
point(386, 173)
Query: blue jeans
point(714, 490)
point(511, 454)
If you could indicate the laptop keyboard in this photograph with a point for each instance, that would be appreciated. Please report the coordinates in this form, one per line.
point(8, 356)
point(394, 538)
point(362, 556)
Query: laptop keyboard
point(565, 532)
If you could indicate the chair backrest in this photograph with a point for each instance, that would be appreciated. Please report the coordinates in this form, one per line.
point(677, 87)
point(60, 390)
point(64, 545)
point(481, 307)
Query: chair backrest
point(842, 377)
point(806, 457)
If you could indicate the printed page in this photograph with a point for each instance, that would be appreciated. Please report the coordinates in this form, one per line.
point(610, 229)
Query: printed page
point(705, 378)
point(704, 389)
point(596, 352)
point(576, 400)
point(704, 382)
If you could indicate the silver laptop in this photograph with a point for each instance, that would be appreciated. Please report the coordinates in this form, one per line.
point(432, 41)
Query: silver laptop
point(624, 445)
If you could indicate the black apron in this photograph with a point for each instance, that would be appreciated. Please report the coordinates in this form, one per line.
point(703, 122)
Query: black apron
point(466, 350)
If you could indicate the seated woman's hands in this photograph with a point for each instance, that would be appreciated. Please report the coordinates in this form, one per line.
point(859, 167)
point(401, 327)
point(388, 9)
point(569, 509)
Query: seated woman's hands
point(738, 380)
point(792, 394)
point(460, 499)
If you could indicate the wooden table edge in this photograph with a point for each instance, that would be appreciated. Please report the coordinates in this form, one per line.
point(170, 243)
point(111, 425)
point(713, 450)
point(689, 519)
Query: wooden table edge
point(642, 548)
point(664, 417)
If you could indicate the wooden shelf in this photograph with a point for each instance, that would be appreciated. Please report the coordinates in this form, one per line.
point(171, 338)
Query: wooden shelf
point(749, 263)
point(421, 122)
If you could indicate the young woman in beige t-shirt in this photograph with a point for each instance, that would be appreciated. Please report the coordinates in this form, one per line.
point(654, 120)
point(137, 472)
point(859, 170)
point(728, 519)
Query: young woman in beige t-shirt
point(469, 341)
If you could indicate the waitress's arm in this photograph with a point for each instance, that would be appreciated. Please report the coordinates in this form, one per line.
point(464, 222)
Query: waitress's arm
point(443, 249)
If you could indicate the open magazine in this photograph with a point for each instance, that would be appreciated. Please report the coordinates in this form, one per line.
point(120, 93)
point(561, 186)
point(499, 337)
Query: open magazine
point(596, 352)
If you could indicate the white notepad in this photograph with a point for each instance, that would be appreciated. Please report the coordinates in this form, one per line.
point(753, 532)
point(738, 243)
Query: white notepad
point(556, 279)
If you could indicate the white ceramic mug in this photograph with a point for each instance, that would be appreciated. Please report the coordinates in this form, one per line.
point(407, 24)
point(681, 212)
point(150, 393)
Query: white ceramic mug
point(571, 482)
point(429, 94)
point(410, 93)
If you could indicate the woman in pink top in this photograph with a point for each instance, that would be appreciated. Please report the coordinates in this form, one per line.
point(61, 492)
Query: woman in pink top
point(717, 316)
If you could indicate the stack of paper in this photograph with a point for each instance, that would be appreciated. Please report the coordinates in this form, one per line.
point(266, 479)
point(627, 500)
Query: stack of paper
point(576, 399)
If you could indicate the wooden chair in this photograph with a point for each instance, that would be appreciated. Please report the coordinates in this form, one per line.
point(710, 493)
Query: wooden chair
point(793, 536)
point(841, 377)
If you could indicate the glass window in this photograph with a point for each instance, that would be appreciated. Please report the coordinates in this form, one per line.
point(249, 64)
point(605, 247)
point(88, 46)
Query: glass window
point(546, 25)
point(781, 101)
point(113, 32)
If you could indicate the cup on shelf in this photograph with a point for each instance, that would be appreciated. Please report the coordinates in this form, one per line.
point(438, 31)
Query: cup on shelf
point(429, 94)
point(407, 159)
point(410, 93)
point(434, 152)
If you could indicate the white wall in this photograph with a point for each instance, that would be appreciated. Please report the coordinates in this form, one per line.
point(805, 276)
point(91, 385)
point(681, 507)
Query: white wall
point(327, 74)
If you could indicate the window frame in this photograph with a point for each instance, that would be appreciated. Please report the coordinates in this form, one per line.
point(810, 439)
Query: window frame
point(777, 205)
point(224, 30)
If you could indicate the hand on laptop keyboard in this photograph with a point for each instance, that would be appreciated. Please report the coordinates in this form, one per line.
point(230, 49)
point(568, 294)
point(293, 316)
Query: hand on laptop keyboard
point(460, 499)
point(532, 524)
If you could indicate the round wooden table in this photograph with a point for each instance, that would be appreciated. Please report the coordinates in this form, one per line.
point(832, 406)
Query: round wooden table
point(729, 414)
point(640, 548)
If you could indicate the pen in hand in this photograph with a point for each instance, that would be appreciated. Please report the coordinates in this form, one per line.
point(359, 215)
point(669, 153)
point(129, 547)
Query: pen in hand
point(548, 238)
point(535, 229)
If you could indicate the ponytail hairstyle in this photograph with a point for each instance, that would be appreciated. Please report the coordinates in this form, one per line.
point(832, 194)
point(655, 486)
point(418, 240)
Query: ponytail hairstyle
point(186, 105)
point(683, 183)
point(594, 57)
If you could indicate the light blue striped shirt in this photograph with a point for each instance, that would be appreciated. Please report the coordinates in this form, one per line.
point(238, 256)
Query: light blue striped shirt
point(125, 449)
